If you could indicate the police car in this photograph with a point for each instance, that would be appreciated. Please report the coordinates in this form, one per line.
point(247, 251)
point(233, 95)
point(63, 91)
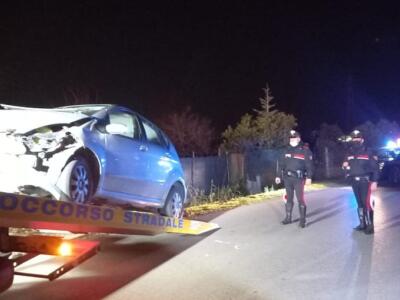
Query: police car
point(389, 163)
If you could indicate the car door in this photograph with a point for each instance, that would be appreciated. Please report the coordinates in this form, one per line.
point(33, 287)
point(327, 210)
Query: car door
point(126, 161)
point(159, 160)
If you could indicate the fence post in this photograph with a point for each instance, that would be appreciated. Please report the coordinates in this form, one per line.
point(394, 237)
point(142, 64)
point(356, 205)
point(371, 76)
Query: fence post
point(192, 170)
point(227, 168)
point(327, 163)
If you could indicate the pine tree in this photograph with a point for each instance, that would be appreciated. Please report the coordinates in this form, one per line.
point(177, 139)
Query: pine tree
point(267, 107)
point(268, 129)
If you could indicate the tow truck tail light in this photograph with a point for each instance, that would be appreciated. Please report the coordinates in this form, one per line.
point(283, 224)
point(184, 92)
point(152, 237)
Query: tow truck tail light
point(65, 249)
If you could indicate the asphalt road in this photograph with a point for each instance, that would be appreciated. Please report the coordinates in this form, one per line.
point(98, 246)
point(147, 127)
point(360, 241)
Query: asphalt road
point(253, 256)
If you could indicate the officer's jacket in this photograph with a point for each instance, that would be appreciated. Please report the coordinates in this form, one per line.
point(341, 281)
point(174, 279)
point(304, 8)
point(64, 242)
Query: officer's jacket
point(294, 159)
point(361, 161)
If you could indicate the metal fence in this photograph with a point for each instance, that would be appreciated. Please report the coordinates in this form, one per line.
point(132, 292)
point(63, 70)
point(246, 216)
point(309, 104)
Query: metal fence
point(260, 169)
point(201, 172)
point(256, 169)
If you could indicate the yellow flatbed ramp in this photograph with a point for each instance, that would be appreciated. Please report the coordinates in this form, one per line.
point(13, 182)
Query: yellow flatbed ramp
point(38, 213)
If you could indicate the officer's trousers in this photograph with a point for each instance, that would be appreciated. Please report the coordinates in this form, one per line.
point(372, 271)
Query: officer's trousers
point(362, 192)
point(294, 186)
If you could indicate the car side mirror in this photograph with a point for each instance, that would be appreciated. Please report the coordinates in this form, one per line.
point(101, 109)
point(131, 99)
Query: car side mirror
point(116, 128)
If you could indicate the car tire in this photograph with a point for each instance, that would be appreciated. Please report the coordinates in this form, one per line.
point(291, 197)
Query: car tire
point(79, 181)
point(6, 274)
point(174, 203)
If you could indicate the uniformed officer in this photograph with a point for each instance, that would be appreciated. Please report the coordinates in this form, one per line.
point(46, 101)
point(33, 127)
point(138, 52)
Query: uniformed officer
point(362, 169)
point(295, 168)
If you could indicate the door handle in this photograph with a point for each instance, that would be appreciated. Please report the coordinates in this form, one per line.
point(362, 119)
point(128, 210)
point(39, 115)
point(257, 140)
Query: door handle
point(143, 148)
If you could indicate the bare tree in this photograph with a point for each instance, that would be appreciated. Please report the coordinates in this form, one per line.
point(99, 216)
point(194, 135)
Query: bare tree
point(80, 95)
point(190, 132)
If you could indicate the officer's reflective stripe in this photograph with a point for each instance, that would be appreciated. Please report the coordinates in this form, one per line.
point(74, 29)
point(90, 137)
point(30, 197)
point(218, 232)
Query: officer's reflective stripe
point(362, 157)
point(299, 156)
point(39, 213)
point(302, 193)
point(370, 203)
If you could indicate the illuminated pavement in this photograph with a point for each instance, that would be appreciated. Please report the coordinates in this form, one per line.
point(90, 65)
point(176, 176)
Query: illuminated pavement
point(251, 257)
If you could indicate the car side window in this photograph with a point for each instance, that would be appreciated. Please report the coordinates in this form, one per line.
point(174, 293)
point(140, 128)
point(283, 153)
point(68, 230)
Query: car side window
point(152, 133)
point(130, 124)
point(165, 139)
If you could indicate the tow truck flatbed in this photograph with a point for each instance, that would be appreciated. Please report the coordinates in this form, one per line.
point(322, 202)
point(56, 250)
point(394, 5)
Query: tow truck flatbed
point(20, 211)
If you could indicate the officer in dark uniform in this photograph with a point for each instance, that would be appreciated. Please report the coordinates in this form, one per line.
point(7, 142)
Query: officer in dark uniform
point(295, 168)
point(362, 170)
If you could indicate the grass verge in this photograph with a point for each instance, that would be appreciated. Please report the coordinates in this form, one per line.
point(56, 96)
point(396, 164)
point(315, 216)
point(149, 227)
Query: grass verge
point(243, 200)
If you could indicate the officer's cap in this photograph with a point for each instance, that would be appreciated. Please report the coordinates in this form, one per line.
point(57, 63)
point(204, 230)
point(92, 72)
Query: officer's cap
point(356, 134)
point(294, 134)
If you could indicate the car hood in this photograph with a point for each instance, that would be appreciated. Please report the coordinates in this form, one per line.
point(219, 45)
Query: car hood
point(22, 121)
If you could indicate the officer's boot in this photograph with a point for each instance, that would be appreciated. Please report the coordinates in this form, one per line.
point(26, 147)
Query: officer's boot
point(369, 221)
point(302, 209)
point(288, 218)
point(361, 217)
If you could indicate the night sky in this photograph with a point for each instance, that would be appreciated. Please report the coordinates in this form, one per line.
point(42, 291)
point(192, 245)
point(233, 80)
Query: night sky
point(335, 63)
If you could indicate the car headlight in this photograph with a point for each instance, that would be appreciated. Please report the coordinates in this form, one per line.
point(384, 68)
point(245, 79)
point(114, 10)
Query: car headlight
point(40, 142)
point(47, 143)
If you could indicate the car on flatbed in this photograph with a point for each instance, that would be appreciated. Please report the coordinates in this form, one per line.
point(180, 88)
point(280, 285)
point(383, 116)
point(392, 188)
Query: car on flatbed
point(85, 153)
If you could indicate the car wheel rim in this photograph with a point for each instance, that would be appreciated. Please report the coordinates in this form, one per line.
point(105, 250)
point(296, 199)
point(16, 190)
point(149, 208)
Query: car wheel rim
point(80, 184)
point(176, 205)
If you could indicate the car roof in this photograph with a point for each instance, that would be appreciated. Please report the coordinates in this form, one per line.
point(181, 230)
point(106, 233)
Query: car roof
point(88, 109)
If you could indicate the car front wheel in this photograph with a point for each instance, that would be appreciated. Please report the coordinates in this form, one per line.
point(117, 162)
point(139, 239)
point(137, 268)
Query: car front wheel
point(79, 181)
point(174, 203)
